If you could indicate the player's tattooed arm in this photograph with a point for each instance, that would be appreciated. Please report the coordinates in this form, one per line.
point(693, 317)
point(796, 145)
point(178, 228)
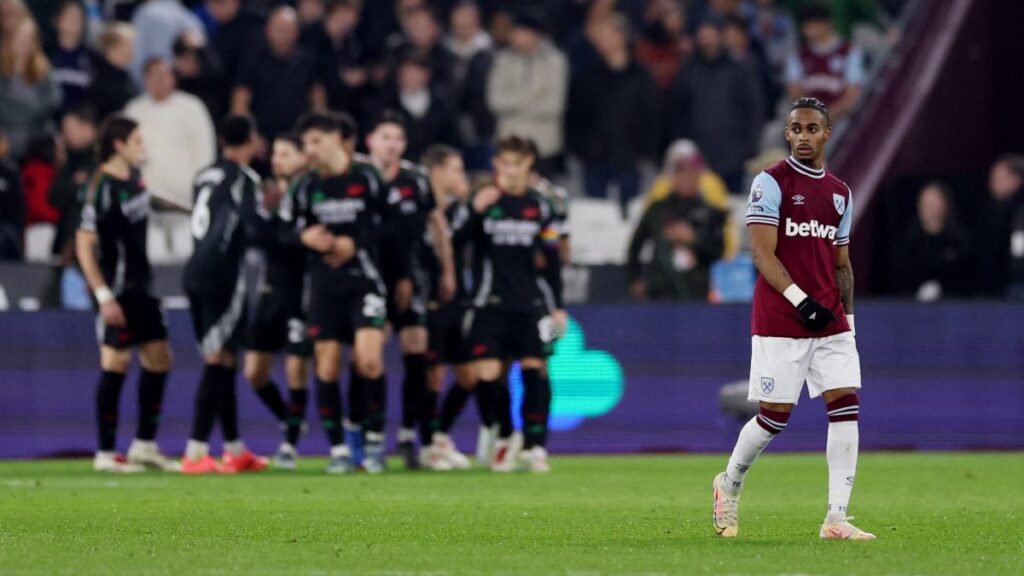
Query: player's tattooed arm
point(763, 241)
point(844, 277)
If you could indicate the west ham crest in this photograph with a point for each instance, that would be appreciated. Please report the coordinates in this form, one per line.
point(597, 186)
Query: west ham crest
point(840, 203)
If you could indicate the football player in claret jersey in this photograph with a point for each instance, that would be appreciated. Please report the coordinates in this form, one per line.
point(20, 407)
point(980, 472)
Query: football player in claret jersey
point(227, 215)
point(277, 318)
point(510, 224)
point(403, 250)
point(341, 212)
point(114, 221)
point(799, 218)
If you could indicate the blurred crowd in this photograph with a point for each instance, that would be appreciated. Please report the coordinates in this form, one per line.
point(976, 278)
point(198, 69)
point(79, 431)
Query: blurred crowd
point(660, 108)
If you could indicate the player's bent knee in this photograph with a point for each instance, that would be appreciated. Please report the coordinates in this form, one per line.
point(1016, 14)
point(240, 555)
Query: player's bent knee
point(114, 360)
point(156, 357)
point(370, 367)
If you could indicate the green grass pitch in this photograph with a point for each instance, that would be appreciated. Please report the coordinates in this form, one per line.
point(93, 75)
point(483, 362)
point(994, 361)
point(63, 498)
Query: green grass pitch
point(933, 514)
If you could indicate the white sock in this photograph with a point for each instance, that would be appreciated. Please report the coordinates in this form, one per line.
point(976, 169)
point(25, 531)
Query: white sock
point(340, 451)
point(374, 438)
point(235, 447)
point(406, 435)
point(752, 441)
point(196, 450)
point(843, 443)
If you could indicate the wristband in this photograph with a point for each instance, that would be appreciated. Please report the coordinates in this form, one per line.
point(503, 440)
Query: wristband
point(849, 320)
point(794, 294)
point(104, 295)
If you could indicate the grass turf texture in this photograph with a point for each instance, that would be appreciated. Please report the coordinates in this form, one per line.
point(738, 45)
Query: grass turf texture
point(933, 513)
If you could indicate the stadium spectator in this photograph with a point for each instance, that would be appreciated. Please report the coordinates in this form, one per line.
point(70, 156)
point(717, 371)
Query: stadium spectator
point(341, 63)
point(311, 13)
point(28, 94)
point(180, 142)
point(428, 112)
point(12, 205)
point(237, 31)
point(999, 232)
point(69, 55)
point(278, 82)
point(12, 14)
point(612, 144)
point(664, 45)
point(928, 261)
point(825, 67)
point(474, 52)
point(677, 240)
point(774, 29)
point(527, 91)
point(112, 86)
point(78, 137)
point(743, 48)
point(717, 103)
point(198, 72)
point(421, 36)
point(38, 168)
point(712, 188)
point(158, 23)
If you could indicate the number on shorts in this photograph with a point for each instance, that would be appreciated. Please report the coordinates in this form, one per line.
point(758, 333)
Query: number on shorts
point(374, 306)
point(296, 331)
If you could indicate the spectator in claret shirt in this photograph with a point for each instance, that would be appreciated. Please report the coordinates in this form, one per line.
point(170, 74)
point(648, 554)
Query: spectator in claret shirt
point(663, 45)
point(278, 83)
point(611, 143)
point(71, 58)
point(825, 67)
point(38, 169)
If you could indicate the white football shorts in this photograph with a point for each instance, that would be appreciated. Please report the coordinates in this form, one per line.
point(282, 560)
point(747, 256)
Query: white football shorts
point(779, 367)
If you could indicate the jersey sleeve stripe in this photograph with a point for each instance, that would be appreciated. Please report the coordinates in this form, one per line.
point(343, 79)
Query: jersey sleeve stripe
point(762, 220)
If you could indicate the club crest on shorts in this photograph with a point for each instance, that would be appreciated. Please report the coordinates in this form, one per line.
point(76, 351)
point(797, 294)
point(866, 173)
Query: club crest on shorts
point(840, 203)
point(767, 385)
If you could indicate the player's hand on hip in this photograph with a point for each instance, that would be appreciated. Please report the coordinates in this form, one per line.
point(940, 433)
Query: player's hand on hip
point(815, 316)
point(318, 238)
point(112, 314)
point(403, 294)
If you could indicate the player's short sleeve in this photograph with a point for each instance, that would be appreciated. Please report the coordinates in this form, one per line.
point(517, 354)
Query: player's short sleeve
point(845, 223)
point(765, 199)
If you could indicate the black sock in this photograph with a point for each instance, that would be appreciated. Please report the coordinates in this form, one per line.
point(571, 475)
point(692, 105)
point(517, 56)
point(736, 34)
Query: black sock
point(501, 399)
point(151, 396)
point(272, 399)
point(328, 401)
point(536, 406)
point(207, 404)
point(356, 399)
point(297, 400)
point(454, 403)
point(413, 386)
point(430, 417)
point(228, 404)
point(108, 398)
point(376, 391)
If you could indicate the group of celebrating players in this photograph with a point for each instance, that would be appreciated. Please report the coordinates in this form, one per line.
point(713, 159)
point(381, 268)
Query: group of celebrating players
point(338, 249)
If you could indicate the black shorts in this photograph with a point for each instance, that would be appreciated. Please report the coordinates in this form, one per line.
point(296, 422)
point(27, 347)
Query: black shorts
point(276, 324)
point(341, 305)
point(497, 333)
point(447, 343)
point(416, 314)
point(144, 321)
point(218, 318)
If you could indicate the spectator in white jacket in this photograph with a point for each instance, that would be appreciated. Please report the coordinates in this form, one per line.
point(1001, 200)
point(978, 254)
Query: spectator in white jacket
point(180, 141)
point(527, 90)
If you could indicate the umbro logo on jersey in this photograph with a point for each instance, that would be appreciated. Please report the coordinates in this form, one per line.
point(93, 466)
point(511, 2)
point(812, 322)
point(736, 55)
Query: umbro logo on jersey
point(798, 200)
point(355, 190)
point(811, 229)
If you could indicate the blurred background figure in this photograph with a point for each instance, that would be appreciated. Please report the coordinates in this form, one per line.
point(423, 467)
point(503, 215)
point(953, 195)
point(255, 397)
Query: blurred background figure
point(999, 231)
point(826, 66)
point(12, 205)
point(678, 238)
point(158, 23)
point(527, 91)
point(70, 56)
point(29, 96)
point(928, 262)
point(112, 85)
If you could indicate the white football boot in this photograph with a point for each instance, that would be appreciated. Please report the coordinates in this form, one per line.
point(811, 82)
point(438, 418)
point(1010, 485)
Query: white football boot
point(147, 453)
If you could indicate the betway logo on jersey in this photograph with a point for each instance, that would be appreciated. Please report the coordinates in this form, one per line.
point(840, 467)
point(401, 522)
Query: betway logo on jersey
point(512, 232)
point(810, 229)
point(339, 211)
